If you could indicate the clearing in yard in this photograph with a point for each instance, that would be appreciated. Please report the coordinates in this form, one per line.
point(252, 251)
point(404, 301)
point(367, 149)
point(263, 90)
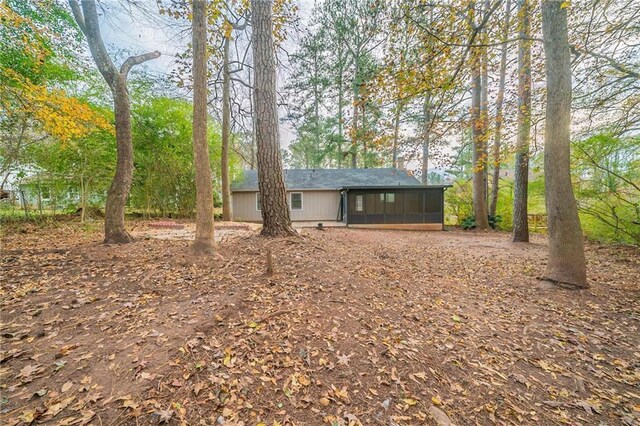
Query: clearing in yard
point(353, 327)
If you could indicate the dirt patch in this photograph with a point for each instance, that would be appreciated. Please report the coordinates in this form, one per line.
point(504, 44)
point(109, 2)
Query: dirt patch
point(354, 327)
point(224, 231)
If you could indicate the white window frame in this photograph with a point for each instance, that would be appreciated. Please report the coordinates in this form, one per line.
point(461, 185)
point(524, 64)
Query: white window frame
point(301, 201)
point(360, 203)
point(258, 205)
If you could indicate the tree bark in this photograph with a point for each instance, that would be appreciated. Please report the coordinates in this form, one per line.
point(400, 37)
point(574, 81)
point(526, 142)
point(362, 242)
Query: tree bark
point(118, 193)
point(226, 133)
point(396, 133)
point(426, 136)
point(356, 108)
point(273, 196)
point(316, 159)
point(204, 242)
point(252, 151)
point(566, 265)
point(495, 186)
point(83, 196)
point(340, 120)
point(521, 181)
point(479, 156)
point(365, 155)
point(340, 60)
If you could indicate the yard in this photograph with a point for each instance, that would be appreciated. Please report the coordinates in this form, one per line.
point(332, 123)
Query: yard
point(354, 327)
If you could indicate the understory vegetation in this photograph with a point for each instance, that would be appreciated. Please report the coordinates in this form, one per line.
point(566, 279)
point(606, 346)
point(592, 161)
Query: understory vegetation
point(606, 180)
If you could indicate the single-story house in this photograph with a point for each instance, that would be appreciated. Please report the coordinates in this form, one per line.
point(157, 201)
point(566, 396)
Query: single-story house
point(381, 198)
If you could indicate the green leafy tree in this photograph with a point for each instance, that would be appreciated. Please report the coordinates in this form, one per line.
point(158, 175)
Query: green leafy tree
point(163, 157)
point(606, 176)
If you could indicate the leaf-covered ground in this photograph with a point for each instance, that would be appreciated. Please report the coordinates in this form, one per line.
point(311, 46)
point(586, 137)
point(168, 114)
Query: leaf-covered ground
point(354, 327)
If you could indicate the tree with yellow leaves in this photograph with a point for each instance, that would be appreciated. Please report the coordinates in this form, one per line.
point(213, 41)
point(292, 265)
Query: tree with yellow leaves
point(38, 44)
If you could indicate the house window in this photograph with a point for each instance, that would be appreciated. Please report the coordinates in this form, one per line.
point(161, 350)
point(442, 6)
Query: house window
point(258, 202)
point(296, 200)
point(359, 203)
point(391, 197)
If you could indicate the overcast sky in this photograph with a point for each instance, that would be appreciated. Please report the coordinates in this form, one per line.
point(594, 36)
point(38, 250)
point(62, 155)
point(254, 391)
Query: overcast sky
point(137, 31)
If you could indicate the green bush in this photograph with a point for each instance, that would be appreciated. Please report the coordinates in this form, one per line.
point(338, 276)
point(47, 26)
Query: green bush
point(469, 222)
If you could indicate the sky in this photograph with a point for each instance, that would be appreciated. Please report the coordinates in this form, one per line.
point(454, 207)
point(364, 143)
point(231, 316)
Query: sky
point(143, 30)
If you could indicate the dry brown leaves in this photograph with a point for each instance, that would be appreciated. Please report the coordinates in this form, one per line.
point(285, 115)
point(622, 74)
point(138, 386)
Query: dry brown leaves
point(355, 327)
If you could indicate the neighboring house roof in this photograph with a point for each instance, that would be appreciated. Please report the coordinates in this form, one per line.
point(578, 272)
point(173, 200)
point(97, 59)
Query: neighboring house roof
point(331, 179)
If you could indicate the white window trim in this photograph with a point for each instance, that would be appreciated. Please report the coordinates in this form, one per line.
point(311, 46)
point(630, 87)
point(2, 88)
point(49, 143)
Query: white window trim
point(257, 202)
point(301, 201)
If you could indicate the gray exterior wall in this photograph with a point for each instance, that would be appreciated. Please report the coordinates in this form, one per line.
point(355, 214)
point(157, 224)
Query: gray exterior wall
point(316, 205)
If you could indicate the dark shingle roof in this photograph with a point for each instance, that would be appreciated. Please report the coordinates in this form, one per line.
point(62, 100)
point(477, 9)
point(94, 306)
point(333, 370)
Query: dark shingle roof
point(331, 179)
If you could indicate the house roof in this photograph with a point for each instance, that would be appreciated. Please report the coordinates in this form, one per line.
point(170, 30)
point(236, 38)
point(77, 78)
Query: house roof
point(331, 179)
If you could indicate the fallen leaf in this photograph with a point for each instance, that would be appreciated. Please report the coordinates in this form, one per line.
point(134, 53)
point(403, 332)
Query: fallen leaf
point(28, 416)
point(165, 415)
point(28, 370)
point(410, 401)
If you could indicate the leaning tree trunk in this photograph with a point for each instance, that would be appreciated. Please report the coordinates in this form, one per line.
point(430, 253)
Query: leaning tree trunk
point(87, 19)
point(203, 243)
point(273, 195)
point(521, 182)
point(566, 264)
point(226, 133)
point(495, 186)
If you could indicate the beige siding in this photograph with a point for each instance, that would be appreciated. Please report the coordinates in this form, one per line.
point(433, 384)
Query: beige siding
point(244, 207)
point(316, 205)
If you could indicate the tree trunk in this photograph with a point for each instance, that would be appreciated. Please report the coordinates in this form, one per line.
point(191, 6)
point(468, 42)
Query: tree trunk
point(521, 182)
point(83, 199)
point(226, 133)
point(426, 136)
point(396, 134)
point(87, 19)
point(356, 108)
point(365, 155)
point(317, 158)
point(484, 108)
point(354, 137)
point(39, 198)
point(118, 193)
point(495, 187)
point(273, 196)
point(566, 264)
point(253, 134)
point(479, 156)
point(204, 242)
point(340, 121)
